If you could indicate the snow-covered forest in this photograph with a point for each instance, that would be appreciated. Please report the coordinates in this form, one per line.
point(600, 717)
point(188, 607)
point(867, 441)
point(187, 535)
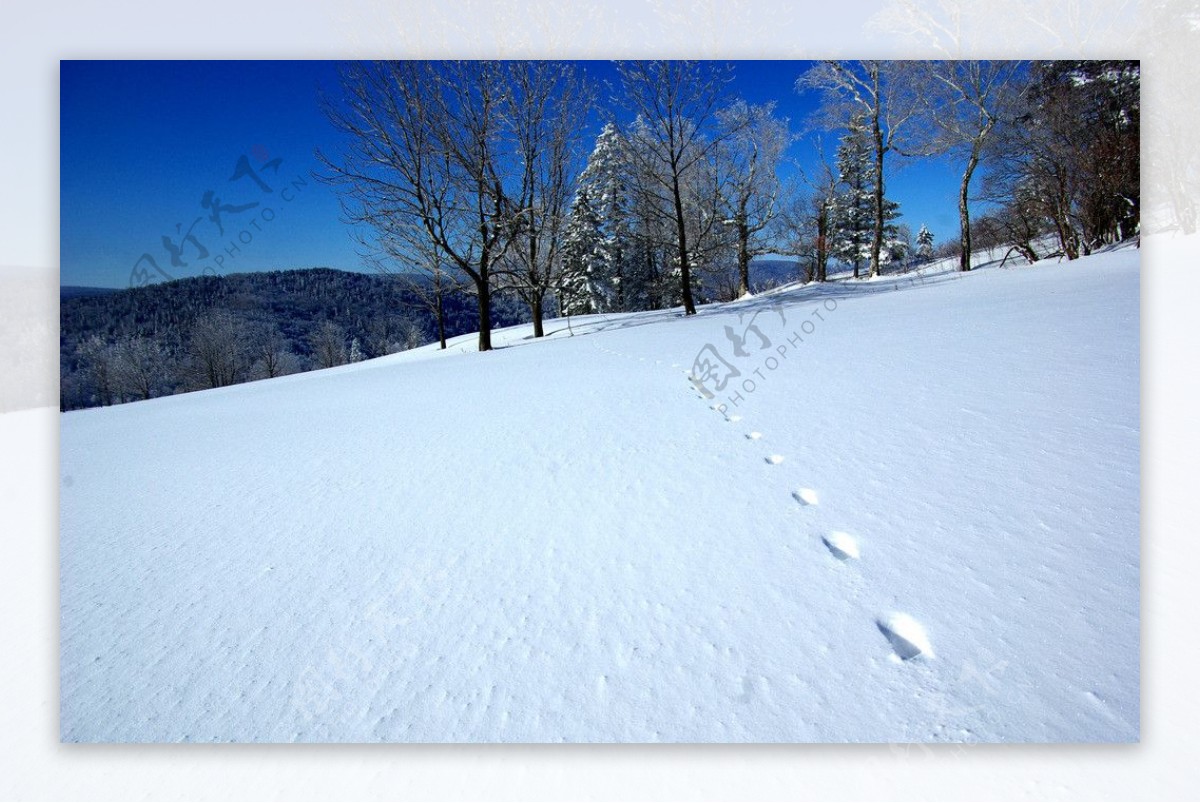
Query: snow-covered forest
point(476, 171)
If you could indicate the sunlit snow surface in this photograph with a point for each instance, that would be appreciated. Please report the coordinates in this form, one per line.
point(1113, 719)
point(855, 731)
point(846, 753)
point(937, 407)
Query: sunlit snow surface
point(921, 524)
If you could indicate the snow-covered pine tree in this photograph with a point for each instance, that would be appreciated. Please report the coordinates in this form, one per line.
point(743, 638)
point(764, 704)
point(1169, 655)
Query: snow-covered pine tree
point(853, 224)
point(854, 204)
point(894, 246)
point(897, 240)
point(924, 243)
point(606, 182)
point(583, 287)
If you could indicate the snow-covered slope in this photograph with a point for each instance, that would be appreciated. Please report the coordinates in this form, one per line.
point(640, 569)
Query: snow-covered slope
point(912, 516)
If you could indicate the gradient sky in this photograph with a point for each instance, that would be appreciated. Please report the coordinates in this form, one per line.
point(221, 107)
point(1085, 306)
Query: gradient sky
point(142, 142)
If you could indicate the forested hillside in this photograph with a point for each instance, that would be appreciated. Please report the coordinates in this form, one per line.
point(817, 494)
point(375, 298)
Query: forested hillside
point(147, 341)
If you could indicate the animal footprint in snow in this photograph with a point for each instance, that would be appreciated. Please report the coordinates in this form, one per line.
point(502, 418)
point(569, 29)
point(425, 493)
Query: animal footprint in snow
point(805, 496)
point(842, 545)
point(905, 634)
point(775, 459)
point(754, 436)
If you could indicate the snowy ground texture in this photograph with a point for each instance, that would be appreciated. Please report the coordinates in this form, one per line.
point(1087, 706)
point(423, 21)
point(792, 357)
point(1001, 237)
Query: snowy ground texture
point(913, 516)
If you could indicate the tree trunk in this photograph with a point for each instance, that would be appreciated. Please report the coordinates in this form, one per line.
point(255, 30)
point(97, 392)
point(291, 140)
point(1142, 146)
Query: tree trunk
point(440, 314)
point(535, 295)
point(877, 236)
point(620, 282)
point(655, 281)
point(822, 242)
point(485, 313)
point(743, 258)
point(964, 216)
point(535, 308)
point(1068, 240)
point(685, 274)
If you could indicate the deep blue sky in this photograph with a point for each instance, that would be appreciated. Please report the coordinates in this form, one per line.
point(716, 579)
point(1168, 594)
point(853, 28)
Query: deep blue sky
point(142, 142)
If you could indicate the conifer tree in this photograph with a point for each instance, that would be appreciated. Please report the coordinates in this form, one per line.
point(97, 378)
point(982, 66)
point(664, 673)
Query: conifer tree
point(854, 204)
point(924, 243)
point(582, 288)
point(854, 214)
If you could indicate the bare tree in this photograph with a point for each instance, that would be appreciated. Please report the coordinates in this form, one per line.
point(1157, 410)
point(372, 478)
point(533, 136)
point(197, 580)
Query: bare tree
point(1022, 221)
point(885, 94)
point(987, 234)
point(97, 358)
point(710, 238)
point(427, 149)
point(645, 277)
point(805, 227)
point(382, 334)
point(676, 103)
point(1073, 158)
point(271, 354)
point(545, 106)
point(411, 335)
point(903, 246)
point(821, 205)
point(138, 367)
point(406, 253)
point(218, 350)
point(388, 335)
point(654, 272)
point(967, 100)
point(750, 193)
point(328, 343)
point(803, 232)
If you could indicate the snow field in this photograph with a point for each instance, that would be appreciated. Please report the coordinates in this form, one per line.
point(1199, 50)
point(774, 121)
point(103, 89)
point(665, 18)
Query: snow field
point(560, 541)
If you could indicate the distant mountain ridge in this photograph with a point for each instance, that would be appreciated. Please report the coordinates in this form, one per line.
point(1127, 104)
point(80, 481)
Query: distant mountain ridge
point(768, 272)
point(76, 291)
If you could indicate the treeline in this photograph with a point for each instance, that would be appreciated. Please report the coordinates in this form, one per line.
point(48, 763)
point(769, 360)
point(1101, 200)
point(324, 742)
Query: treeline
point(478, 173)
point(212, 331)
